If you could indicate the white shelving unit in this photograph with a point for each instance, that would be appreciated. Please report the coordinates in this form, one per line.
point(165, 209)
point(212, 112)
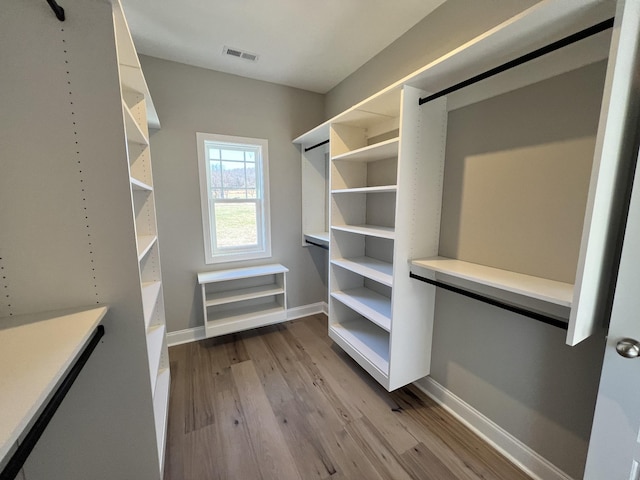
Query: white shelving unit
point(382, 224)
point(135, 101)
point(36, 351)
point(242, 298)
point(315, 187)
point(375, 182)
point(93, 195)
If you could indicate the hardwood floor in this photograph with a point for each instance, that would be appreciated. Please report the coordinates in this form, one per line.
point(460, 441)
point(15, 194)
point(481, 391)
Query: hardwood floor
point(283, 403)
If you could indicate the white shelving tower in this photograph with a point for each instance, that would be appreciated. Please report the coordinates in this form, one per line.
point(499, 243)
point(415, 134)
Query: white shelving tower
point(382, 215)
point(78, 226)
point(137, 119)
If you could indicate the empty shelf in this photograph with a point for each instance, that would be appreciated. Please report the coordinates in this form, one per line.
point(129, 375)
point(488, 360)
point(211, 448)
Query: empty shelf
point(145, 242)
point(381, 272)
point(379, 189)
point(550, 291)
point(139, 185)
point(238, 273)
point(220, 298)
point(366, 343)
point(372, 153)
point(367, 303)
point(370, 230)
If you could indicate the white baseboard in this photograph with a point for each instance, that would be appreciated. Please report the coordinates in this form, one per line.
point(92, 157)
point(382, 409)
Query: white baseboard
point(306, 310)
point(185, 336)
point(197, 333)
point(520, 454)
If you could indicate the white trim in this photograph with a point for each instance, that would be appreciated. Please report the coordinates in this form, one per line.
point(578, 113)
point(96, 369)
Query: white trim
point(517, 452)
point(185, 336)
point(263, 249)
point(198, 333)
point(305, 310)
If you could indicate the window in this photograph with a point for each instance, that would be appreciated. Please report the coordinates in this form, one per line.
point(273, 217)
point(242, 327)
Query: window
point(234, 189)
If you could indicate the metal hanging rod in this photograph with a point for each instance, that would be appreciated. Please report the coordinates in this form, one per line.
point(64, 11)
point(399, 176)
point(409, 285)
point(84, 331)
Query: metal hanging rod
point(317, 244)
point(57, 9)
point(563, 42)
point(541, 317)
point(316, 145)
point(16, 462)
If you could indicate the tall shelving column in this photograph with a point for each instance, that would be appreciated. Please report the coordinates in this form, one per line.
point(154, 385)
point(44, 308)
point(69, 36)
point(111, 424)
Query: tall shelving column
point(72, 227)
point(382, 215)
point(135, 96)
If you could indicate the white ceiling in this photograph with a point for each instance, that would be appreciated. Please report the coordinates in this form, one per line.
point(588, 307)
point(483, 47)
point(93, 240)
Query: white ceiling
point(309, 44)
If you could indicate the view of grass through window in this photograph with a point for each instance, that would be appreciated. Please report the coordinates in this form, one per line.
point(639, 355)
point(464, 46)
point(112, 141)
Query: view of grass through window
point(236, 224)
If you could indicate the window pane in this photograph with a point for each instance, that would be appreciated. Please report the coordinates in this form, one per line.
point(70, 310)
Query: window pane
point(236, 225)
point(233, 155)
point(251, 178)
point(214, 153)
point(233, 175)
point(216, 174)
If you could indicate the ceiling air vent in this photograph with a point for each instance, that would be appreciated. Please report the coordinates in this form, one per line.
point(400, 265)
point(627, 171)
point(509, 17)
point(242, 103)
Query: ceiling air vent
point(236, 52)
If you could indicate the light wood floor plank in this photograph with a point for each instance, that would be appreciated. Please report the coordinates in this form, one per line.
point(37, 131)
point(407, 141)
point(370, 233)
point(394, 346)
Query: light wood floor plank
point(274, 458)
point(283, 402)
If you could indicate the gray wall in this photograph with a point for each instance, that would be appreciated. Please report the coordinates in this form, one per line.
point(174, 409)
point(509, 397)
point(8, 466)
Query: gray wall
point(517, 372)
point(189, 100)
point(516, 181)
point(447, 27)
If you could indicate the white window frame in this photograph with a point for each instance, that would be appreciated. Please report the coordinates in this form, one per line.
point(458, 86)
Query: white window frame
point(263, 250)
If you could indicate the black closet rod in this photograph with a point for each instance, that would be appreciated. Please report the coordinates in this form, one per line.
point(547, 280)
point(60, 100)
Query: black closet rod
point(575, 37)
point(556, 322)
point(57, 9)
point(15, 464)
point(317, 244)
point(316, 145)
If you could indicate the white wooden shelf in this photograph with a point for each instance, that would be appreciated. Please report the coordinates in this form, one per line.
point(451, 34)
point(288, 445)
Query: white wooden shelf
point(155, 345)
point(36, 351)
point(372, 153)
point(133, 131)
point(240, 273)
point(244, 318)
point(161, 409)
point(241, 298)
point(378, 189)
point(366, 343)
point(370, 230)
point(550, 291)
point(145, 243)
point(150, 295)
point(221, 298)
point(367, 303)
point(139, 185)
point(381, 272)
point(321, 238)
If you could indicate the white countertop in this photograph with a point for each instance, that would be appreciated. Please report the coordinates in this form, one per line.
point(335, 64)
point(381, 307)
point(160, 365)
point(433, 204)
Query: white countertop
point(36, 351)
